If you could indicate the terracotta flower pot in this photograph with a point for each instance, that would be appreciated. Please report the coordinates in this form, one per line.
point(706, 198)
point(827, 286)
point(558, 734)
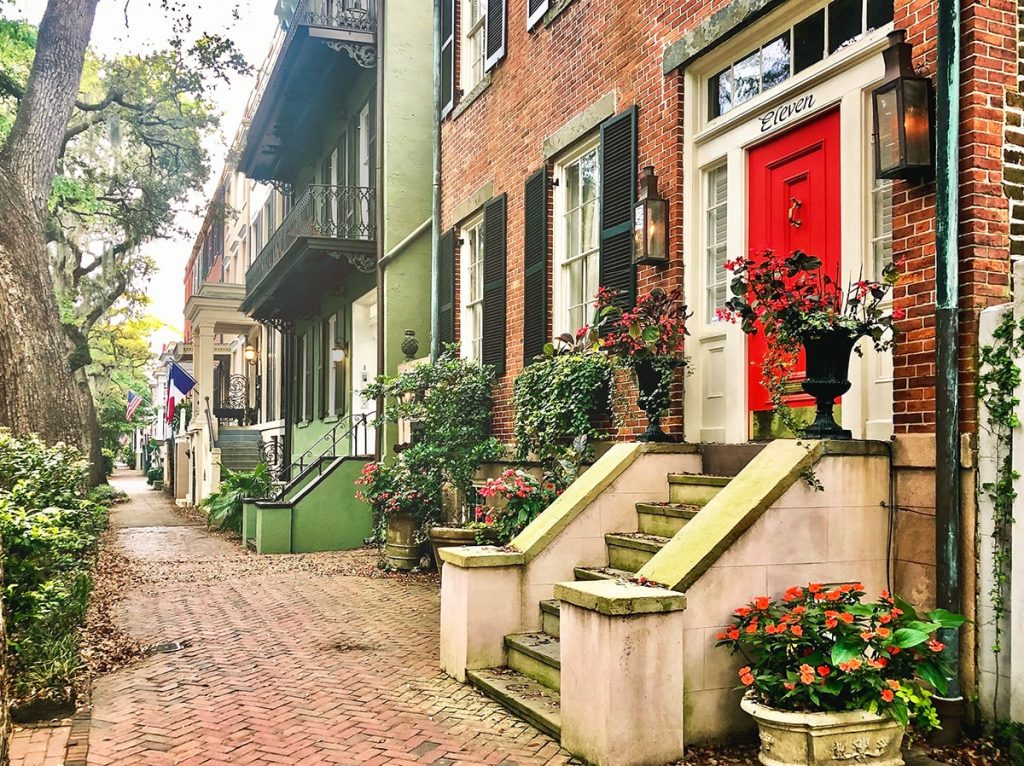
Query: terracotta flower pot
point(825, 739)
point(828, 377)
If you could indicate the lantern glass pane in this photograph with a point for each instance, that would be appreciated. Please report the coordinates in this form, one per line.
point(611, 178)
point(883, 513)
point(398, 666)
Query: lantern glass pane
point(656, 215)
point(915, 121)
point(887, 114)
point(639, 232)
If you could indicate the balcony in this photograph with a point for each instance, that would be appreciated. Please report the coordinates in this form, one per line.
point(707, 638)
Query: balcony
point(327, 46)
point(329, 231)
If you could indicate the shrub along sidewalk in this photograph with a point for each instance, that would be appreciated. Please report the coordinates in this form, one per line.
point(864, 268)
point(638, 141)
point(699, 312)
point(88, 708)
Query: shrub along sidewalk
point(50, 525)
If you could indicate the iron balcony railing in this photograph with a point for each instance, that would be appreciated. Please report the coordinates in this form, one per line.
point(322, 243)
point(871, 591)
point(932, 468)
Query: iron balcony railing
point(347, 15)
point(328, 212)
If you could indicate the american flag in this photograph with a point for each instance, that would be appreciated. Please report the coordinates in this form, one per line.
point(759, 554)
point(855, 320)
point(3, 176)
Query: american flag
point(134, 400)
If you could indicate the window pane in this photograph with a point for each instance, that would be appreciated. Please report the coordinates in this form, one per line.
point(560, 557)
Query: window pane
point(775, 62)
point(747, 77)
point(572, 185)
point(720, 93)
point(809, 41)
point(591, 285)
point(590, 226)
point(879, 13)
point(844, 23)
point(588, 176)
point(572, 239)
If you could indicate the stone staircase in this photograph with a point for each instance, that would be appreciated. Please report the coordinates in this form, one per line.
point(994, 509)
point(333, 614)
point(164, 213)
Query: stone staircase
point(529, 683)
point(239, 448)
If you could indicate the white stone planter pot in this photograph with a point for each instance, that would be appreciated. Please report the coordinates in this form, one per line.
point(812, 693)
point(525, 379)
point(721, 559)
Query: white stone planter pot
point(825, 739)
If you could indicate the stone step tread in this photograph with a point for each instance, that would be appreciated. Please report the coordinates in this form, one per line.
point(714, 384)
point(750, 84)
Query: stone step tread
point(676, 510)
point(700, 479)
point(636, 540)
point(551, 606)
point(535, 703)
point(602, 573)
point(539, 646)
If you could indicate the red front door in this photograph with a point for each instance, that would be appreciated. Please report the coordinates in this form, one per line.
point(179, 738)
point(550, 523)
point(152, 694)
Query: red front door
point(794, 204)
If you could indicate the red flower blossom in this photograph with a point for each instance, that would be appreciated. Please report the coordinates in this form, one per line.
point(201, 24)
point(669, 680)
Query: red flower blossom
point(824, 670)
point(887, 695)
point(936, 646)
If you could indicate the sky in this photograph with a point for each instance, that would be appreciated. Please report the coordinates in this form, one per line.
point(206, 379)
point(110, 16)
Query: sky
point(147, 28)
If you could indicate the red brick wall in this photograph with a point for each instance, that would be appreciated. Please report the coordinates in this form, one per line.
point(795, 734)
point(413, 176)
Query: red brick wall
point(599, 46)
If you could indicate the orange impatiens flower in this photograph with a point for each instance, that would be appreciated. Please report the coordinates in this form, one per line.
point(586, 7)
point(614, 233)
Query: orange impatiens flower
point(887, 695)
point(867, 635)
point(743, 611)
point(752, 627)
point(797, 630)
point(762, 602)
point(846, 617)
point(789, 686)
point(824, 670)
point(814, 587)
point(885, 618)
point(794, 593)
point(883, 632)
point(747, 679)
point(806, 674)
point(893, 684)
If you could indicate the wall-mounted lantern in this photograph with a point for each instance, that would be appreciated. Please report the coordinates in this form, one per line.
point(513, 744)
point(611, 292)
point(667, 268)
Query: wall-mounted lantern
point(903, 121)
point(339, 353)
point(252, 356)
point(650, 222)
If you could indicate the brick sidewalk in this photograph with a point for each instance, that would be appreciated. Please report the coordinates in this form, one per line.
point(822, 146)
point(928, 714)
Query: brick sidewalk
point(40, 745)
point(304, 666)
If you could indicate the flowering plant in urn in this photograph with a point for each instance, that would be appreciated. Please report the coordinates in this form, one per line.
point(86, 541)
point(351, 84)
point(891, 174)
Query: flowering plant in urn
point(822, 648)
point(521, 498)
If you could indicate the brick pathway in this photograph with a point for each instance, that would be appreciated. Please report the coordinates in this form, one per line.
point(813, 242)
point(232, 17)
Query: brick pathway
point(289, 660)
point(40, 745)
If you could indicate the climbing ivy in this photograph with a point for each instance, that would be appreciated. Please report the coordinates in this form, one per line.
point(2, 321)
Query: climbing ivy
point(998, 379)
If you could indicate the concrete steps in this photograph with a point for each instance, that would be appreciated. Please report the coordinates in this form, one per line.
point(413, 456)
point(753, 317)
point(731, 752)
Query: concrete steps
point(239, 448)
point(529, 683)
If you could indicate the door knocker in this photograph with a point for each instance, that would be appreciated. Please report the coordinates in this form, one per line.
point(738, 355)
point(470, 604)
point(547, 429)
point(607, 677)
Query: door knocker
point(794, 205)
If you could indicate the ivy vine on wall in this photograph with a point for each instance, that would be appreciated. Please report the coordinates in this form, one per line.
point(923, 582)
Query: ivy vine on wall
point(998, 379)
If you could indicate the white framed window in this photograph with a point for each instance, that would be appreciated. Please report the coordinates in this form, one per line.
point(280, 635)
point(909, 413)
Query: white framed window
point(471, 288)
point(474, 48)
point(716, 239)
point(881, 226)
point(577, 218)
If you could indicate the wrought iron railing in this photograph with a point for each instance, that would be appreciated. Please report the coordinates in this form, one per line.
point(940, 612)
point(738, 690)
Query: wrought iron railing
point(233, 401)
point(330, 212)
point(353, 429)
point(348, 15)
point(272, 454)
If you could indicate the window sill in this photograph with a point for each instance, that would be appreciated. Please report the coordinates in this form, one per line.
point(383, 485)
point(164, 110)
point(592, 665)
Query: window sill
point(472, 96)
point(304, 424)
point(331, 419)
point(554, 12)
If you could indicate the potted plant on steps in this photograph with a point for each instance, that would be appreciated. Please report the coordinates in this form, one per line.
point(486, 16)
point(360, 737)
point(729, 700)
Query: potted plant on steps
point(829, 678)
point(797, 306)
point(648, 339)
point(514, 499)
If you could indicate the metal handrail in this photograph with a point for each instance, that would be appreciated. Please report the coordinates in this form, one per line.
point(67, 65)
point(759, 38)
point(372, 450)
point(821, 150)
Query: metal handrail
point(347, 15)
point(329, 451)
point(330, 212)
point(209, 422)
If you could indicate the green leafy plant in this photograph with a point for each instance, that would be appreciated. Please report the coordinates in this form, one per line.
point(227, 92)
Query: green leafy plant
point(522, 497)
point(821, 648)
point(998, 378)
point(224, 507)
point(154, 475)
point(50, 530)
point(104, 494)
point(108, 461)
point(555, 401)
point(449, 402)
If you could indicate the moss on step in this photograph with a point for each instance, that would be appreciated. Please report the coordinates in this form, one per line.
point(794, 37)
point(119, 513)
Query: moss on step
point(549, 616)
point(693, 488)
point(537, 655)
point(664, 519)
point(601, 573)
point(631, 550)
point(537, 704)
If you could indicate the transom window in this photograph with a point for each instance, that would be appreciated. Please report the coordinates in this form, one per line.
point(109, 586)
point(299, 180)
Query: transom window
point(577, 255)
point(472, 288)
point(716, 240)
point(807, 42)
point(474, 22)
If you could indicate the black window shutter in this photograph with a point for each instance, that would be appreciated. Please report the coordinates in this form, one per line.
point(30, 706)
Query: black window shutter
point(535, 265)
point(339, 369)
point(535, 10)
point(446, 293)
point(325, 363)
point(310, 348)
point(495, 33)
point(447, 56)
point(494, 284)
point(618, 193)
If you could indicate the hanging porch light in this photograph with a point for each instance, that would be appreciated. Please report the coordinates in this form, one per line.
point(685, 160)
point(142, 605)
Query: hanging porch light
point(650, 221)
point(903, 122)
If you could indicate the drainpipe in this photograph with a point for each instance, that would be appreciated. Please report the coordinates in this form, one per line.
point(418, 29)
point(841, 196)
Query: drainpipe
point(947, 401)
point(435, 249)
point(379, 212)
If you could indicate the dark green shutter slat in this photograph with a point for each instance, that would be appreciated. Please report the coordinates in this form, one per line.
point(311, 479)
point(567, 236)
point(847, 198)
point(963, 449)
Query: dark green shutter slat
point(339, 370)
point(495, 33)
point(535, 265)
point(535, 10)
point(494, 284)
point(446, 292)
point(447, 56)
point(618, 193)
point(310, 346)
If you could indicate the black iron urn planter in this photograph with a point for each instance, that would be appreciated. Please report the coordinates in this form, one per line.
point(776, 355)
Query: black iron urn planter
point(828, 377)
point(653, 397)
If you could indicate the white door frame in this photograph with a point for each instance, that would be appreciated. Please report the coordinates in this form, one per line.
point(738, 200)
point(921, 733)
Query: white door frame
point(844, 80)
point(365, 326)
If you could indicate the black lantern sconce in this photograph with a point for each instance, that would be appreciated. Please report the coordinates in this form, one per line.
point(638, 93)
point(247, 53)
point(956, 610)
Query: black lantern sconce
point(903, 123)
point(650, 222)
